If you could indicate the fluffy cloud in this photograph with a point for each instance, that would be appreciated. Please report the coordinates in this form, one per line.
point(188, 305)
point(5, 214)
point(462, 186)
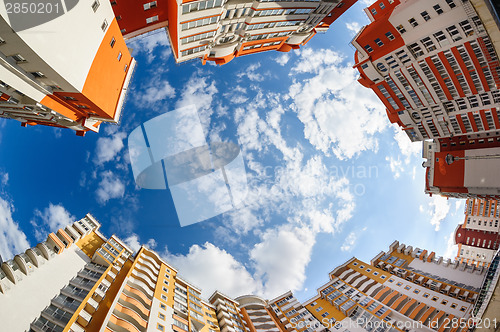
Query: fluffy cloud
point(110, 187)
point(50, 219)
point(4, 178)
point(108, 147)
point(133, 242)
point(252, 73)
point(283, 59)
point(451, 248)
point(12, 240)
point(354, 27)
point(437, 209)
point(339, 115)
point(211, 268)
point(351, 240)
point(148, 44)
point(282, 257)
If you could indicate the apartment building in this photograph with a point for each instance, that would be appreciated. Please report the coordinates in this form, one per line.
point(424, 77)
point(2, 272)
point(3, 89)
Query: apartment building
point(457, 171)
point(220, 30)
point(403, 289)
point(478, 237)
point(252, 313)
point(433, 65)
point(46, 81)
point(79, 280)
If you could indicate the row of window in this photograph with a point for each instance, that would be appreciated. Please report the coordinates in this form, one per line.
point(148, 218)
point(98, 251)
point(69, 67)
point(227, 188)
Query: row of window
point(200, 5)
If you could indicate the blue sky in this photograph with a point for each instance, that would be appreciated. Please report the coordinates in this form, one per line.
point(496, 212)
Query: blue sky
point(329, 177)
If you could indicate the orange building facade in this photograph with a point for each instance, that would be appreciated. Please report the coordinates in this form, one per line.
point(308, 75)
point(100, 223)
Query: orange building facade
point(43, 81)
point(220, 30)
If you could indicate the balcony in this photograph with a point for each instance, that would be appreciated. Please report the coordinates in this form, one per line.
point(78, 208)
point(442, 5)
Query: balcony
point(42, 324)
point(56, 315)
point(66, 303)
point(84, 318)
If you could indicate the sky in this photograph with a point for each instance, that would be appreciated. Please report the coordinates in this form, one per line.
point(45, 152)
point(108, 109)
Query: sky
point(328, 176)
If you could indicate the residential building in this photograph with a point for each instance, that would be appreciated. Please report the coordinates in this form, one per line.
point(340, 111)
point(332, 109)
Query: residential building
point(434, 65)
point(45, 80)
point(220, 30)
point(403, 289)
point(478, 238)
point(79, 280)
point(252, 313)
point(467, 169)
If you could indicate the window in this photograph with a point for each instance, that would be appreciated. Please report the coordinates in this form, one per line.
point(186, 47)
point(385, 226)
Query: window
point(149, 5)
point(453, 305)
point(164, 307)
point(123, 30)
point(37, 74)
point(161, 316)
point(413, 22)
point(119, 17)
point(18, 58)
point(425, 15)
point(69, 98)
point(104, 25)
point(160, 327)
point(438, 9)
point(374, 11)
point(163, 297)
point(434, 298)
point(325, 314)
point(407, 287)
point(165, 282)
point(378, 42)
point(368, 48)
point(152, 19)
point(382, 6)
point(389, 35)
point(401, 29)
point(82, 106)
point(112, 43)
point(416, 291)
point(426, 295)
point(165, 289)
point(119, 56)
point(463, 309)
point(451, 3)
point(399, 284)
point(95, 5)
point(444, 302)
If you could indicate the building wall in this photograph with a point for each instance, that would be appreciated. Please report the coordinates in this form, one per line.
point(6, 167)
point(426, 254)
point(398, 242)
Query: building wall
point(25, 301)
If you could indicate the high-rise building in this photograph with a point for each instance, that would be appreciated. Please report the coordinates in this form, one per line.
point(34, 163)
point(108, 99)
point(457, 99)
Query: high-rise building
point(78, 280)
point(461, 171)
point(252, 313)
point(435, 67)
point(478, 238)
point(402, 289)
point(220, 30)
point(45, 79)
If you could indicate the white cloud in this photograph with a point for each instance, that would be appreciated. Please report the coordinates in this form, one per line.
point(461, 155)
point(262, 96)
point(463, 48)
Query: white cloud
point(351, 240)
point(12, 240)
point(199, 91)
point(109, 187)
point(451, 248)
point(207, 265)
point(252, 72)
point(133, 242)
point(406, 146)
point(354, 27)
point(108, 147)
point(282, 257)
point(149, 43)
point(396, 166)
point(283, 59)
point(437, 209)
point(51, 219)
point(339, 115)
point(4, 178)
